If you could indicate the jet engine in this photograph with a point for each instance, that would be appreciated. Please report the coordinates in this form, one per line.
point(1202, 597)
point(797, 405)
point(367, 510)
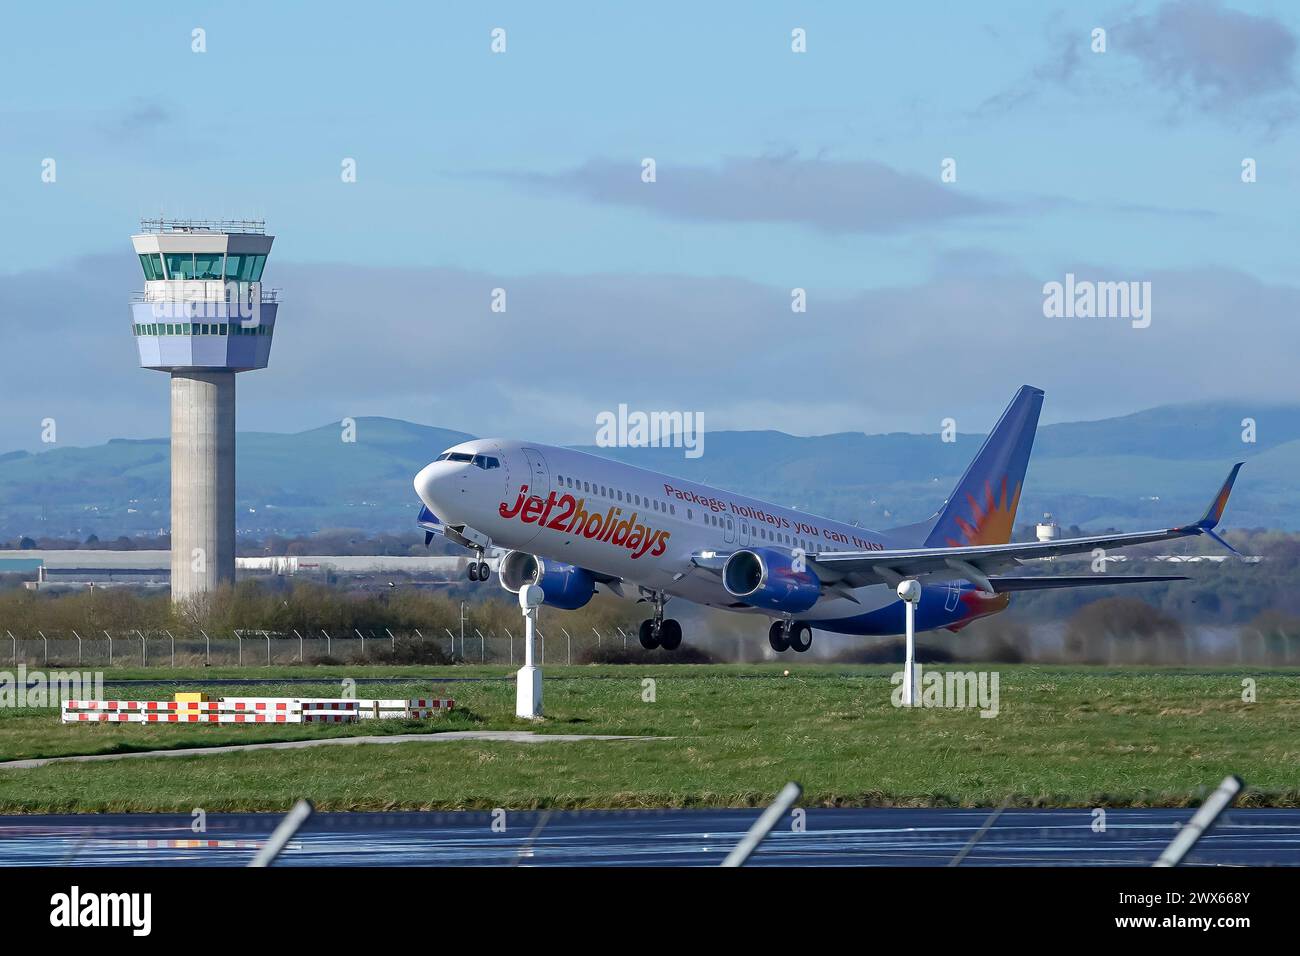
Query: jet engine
point(566, 586)
point(767, 578)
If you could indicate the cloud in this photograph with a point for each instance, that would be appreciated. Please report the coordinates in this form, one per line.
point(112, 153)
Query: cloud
point(1219, 61)
point(1219, 58)
point(422, 344)
point(845, 196)
point(140, 118)
point(1061, 70)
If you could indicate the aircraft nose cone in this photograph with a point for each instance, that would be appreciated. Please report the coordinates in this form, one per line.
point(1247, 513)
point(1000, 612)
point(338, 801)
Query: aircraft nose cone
point(431, 483)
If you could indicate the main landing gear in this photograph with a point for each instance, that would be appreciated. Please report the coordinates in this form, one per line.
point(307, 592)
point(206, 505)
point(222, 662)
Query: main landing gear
point(789, 635)
point(479, 570)
point(659, 631)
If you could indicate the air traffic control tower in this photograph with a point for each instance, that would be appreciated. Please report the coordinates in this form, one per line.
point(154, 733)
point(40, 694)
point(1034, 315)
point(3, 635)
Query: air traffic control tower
point(203, 316)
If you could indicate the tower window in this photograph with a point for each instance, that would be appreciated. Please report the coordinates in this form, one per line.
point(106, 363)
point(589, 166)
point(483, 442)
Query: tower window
point(207, 265)
point(180, 265)
point(244, 268)
point(152, 264)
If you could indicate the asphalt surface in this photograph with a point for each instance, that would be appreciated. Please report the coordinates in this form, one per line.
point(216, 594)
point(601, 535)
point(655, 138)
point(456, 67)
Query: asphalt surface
point(829, 837)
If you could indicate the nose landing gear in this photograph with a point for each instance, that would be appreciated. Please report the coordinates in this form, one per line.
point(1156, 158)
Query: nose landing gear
point(479, 569)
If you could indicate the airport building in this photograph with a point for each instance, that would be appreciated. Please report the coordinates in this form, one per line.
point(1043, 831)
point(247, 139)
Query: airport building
point(203, 317)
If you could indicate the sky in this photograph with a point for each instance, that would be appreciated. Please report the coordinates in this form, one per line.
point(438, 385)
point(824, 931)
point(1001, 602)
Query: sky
point(775, 170)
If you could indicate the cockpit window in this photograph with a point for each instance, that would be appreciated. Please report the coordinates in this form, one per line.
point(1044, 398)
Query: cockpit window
point(485, 462)
point(459, 456)
point(444, 456)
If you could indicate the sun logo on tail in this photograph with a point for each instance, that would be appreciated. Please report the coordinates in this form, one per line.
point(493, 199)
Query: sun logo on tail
point(991, 520)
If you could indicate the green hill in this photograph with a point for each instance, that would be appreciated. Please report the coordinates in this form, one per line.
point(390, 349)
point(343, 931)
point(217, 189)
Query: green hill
point(1153, 467)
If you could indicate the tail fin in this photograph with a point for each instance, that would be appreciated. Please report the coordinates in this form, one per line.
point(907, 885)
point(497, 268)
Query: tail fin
point(982, 508)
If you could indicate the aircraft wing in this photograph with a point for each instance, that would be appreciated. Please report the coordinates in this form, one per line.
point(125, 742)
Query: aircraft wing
point(1003, 584)
point(977, 562)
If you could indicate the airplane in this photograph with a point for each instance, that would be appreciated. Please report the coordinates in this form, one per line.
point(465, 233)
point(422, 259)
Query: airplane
point(573, 522)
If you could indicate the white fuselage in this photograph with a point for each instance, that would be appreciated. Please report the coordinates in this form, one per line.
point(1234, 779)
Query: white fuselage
point(634, 524)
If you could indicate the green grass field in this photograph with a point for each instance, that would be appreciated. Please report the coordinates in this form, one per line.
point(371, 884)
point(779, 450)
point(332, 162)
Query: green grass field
point(1063, 737)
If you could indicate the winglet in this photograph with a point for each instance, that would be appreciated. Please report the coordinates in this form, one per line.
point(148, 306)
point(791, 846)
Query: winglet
point(1213, 513)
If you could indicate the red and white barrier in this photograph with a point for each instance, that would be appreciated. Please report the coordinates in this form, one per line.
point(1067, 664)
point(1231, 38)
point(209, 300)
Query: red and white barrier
point(252, 710)
point(144, 717)
point(119, 705)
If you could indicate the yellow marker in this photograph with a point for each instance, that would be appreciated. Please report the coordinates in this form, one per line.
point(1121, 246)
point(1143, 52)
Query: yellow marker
point(191, 698)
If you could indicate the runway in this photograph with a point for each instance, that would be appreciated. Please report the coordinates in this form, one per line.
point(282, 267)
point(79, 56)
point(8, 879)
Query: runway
point(829, 837)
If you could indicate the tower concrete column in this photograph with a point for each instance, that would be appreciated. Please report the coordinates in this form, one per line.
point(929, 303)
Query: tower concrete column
point(203, 317)
point(203, 482)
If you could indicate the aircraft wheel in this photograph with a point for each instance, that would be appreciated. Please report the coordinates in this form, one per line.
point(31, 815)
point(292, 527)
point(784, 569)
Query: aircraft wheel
point(800, 637)
point(484, 572)
point(473, 571)
point(670, 635)
point(776, 637)
point(646, 635)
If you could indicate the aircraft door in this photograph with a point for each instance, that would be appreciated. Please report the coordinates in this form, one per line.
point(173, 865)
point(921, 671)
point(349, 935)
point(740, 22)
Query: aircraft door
point(540, 483)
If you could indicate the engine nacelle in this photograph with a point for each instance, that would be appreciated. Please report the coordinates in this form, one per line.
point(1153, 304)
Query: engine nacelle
point(566, 586)
point(766, 577)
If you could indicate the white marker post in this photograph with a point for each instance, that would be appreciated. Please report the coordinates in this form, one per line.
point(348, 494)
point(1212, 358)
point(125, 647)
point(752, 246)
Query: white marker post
point(910, 592)
point(528, 680)
point(1201, 822)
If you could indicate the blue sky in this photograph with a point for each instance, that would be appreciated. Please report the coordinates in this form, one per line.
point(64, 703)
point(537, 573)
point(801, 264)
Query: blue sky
point(818, 170)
